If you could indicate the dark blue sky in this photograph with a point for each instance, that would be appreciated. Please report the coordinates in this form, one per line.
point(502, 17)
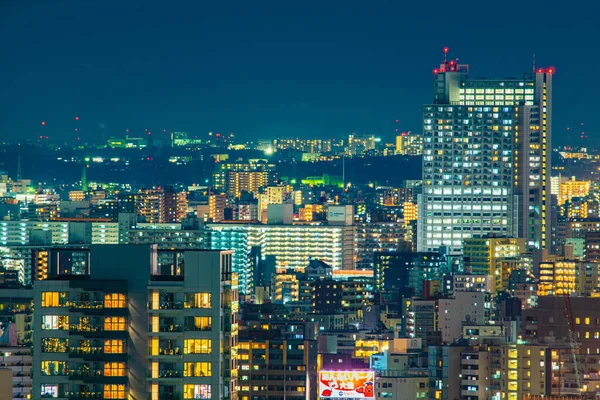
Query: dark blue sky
point(289, 68)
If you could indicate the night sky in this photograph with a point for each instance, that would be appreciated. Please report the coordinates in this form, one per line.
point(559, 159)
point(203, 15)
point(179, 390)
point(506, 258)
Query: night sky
point(283, 68)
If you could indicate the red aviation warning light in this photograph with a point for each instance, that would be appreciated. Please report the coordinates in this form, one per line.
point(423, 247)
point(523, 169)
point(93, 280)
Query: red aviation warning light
point(76, 118)
point(446, 50)
point(43, 123)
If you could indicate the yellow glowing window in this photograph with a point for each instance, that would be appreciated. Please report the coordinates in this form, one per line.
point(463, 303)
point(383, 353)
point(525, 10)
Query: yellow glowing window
point(197, 300)
point(114, 346)
point(54, 299)
point(587, 320)
point(197, 346)
point(197, 369)
point(114, 369)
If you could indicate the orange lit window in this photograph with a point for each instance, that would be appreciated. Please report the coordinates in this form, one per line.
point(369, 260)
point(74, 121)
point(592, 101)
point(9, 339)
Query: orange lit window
point(114, 300)
point(114, 391)
point(114, 346)
point(114, 369)
point(114, 323)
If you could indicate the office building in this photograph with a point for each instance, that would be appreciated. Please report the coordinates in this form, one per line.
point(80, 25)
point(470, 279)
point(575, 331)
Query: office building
point(486, 159)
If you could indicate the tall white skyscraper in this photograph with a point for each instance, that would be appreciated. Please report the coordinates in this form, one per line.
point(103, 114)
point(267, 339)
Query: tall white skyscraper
point(486, 159)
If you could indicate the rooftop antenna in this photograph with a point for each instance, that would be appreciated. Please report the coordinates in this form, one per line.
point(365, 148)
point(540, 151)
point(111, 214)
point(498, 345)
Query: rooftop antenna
point(534, 63)
point(445, 54)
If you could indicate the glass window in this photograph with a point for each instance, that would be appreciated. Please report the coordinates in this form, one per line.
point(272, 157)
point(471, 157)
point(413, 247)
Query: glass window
point(197, 346)
point(55, 345)
point(114, 369)
point(191, 391)
point(197, 369)
point(114, 346)
point(54, 368)
point(49, 391)
point(53, 322)
point(54, 299)
point(198, 323)
point(114, 323)
point(114, 300)
point(114, 391)
point(197, 300)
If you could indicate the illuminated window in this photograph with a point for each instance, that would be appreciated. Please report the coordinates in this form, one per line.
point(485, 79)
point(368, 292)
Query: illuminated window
point(114, 300)
point(114, 369)
point(114, 323)
point(55, 322)
point(114, 391)
point(55, 345)
point(578, 320)
point(197, 369)
point(49, 391)
point(200, 323)
point(197, 346)
point(197, 300)
point(587, 320)
point(114, 346)
point(54, 368)
point(191, 391)
point(54, 299)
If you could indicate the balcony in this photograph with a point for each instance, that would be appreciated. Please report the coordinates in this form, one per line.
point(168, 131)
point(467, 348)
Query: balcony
point(169, 352)
point(166, 374)
point(198, 328)
point(85, 304)
point(85, 373)
point(166, 305)
point(85, 328)
point(168, 396)
point(173, 328)
point(86, 395)
point(85, 351)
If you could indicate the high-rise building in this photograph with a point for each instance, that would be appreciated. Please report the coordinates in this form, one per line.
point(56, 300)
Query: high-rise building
point(486, 159)
point(174, 206)
point(142, 323)
point(568, 189)
point(410, 144)
point(216, 207)
point(149, 204)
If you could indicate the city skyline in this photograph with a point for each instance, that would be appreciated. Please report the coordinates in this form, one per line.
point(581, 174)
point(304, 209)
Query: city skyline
point(328, 72)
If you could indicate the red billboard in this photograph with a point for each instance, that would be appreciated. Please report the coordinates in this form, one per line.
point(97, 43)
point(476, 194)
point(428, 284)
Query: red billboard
point(347, 384)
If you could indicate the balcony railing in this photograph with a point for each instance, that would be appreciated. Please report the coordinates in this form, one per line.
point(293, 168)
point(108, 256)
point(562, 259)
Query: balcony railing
point(168, 373)
point(166, 305)
point(86, 328)
point(194, 328)
point(86, 373)
point(86, 395)
point(86, 304)
point(166, 328)
point(82, 351)
point(169, 352)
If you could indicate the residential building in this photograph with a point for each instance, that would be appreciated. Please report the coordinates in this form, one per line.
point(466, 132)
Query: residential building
point(142, 323)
